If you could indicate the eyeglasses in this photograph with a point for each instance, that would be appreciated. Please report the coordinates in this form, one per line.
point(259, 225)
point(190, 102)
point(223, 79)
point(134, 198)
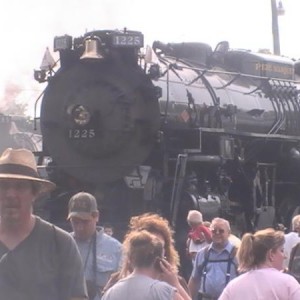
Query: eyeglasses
point(218, 230)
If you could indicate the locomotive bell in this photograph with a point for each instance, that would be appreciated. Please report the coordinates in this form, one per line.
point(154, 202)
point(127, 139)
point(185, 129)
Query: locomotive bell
point(91, 48)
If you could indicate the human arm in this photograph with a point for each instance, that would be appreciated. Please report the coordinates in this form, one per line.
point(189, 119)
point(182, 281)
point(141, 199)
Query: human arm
point(177, 296)
point(206, 232)
point(194, 282)
point(194, 285)
point(71, 275)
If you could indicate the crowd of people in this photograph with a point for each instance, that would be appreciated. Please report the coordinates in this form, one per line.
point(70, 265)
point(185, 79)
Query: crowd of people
point(38, 260)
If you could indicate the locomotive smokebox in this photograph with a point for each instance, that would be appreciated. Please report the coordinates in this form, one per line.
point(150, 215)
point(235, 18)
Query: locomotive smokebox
point(99, 119)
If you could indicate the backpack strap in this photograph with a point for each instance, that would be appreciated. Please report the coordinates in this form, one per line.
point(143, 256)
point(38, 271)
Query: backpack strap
point(59, 280)
point(202, 268)
point(230, 261)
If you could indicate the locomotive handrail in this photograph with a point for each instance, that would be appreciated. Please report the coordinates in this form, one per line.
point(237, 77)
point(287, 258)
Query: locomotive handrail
point(198, 77)
point(254, 90)
point(229, 82)
point(35, 107)
point(210, 89)
point(180, 172)
point(236, 73)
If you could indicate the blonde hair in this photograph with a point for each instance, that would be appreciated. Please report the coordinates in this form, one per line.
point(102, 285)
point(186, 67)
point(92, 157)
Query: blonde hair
point(142, 248)
point(153, 224)
point(254, 247)
point(296, 222)
point(194, 217)
point(220, 221)
point(156, 224)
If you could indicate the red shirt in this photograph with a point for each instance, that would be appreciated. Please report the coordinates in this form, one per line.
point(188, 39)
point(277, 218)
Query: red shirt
point(200, 234)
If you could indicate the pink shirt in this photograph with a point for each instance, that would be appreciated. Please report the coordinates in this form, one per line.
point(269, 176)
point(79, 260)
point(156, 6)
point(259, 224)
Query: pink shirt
point(262, 284)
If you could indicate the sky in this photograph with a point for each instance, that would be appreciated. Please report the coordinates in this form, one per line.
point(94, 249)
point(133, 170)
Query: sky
point(27, 27)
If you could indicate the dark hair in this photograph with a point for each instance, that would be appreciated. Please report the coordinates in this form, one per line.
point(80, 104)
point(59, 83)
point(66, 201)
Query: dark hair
point(254, 247)
point(142, 248)
point(108, 225)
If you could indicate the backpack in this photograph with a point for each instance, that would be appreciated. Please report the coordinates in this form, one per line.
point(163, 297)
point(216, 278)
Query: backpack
point(294, 263)
point(230, 260)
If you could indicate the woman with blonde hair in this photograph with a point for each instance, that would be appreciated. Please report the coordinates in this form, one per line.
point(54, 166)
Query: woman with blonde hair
point(160, 227)
point(260, 257)
point(157, 225)
point(145, 252)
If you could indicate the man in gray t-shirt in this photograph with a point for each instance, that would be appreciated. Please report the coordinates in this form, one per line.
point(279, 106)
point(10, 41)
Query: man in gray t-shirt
point(37, 260)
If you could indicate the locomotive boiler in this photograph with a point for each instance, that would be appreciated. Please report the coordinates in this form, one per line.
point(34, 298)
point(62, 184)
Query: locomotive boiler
point(172, 127)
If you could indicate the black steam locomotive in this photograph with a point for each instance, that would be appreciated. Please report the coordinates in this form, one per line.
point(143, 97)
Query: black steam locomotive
point(175, 127)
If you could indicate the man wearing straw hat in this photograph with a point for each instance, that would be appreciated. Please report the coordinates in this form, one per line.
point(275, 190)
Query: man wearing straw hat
point(37, 259)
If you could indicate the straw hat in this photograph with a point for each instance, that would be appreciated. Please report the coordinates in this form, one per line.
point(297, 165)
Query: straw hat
point(21, 164)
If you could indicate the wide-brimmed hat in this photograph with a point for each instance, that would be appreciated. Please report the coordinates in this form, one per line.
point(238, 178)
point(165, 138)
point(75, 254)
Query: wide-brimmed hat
point(82, 205)
point(21, 164)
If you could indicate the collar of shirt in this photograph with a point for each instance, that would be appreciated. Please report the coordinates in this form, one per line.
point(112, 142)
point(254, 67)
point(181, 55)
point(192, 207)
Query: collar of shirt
point(228, 247)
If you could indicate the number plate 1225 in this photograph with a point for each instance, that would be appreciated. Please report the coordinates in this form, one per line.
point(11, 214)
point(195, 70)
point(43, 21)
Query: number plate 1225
point(82, 133)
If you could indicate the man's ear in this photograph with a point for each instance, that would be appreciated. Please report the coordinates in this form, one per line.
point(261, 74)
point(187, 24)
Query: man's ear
point(95, 214)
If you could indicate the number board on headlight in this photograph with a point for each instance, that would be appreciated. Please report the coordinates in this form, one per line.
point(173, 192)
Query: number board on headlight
point(76, 134)
point(127, 40)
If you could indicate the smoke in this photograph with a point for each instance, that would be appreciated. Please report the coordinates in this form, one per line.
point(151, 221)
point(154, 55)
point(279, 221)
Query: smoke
point(11, 102)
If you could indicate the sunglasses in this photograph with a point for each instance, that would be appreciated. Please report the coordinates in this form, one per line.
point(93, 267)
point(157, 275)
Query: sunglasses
point(221, 231)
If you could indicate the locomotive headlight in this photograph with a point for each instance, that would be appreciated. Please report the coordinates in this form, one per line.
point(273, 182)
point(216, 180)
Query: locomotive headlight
point(81, 115)
point(62, 43)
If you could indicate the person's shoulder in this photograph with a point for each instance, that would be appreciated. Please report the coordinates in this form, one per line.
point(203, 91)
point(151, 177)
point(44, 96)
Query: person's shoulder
point(234, 240)
point(105, 238)
point(47, 226)
point(203, 253)
point(291, 235)
point(291, 239)
point(230, 247)
point(161, 289)
point(279, 276)
point(271, 272)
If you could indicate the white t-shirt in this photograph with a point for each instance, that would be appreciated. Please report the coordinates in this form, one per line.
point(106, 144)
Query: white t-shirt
point(291, 240)
point(262, 284)
point(193, 247)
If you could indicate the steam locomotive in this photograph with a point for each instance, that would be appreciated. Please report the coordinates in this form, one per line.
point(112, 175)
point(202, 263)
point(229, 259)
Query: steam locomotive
point(169, 128)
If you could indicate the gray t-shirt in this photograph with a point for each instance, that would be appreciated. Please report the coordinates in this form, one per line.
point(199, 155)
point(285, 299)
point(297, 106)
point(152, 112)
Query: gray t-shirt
point(46, 265)
point(140, 287)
